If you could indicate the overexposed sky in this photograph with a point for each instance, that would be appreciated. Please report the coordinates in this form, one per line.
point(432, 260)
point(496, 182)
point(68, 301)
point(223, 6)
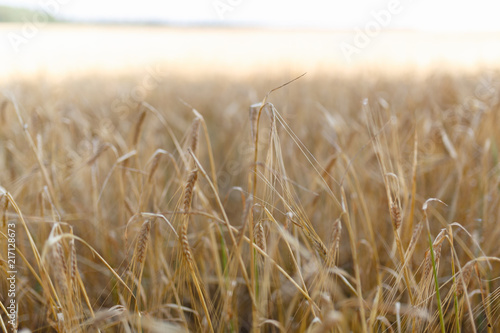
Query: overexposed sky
point(426, 15)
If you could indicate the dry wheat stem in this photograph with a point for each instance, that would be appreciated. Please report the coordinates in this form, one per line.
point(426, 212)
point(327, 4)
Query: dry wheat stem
point(229, 227)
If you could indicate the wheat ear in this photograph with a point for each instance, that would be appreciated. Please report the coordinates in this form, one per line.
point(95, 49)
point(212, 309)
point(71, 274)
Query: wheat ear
point(60, 267)
point(143, 240)
point(465, 276)
point(195, 134)
point(396, 215)
point(260, 237)
point(188, 198)
point(336, 232)
point(437, 245)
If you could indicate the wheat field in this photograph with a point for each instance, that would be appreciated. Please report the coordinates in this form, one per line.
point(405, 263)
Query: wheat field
point(360, 202)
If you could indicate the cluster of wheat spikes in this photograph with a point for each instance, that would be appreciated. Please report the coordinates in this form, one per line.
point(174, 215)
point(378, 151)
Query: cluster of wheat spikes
point(363, 204)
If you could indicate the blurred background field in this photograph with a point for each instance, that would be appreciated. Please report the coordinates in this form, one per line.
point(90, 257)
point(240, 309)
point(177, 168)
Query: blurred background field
point(72, 50)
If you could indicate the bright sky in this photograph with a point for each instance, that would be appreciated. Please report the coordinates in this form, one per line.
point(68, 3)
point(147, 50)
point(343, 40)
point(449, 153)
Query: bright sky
point(427, 15)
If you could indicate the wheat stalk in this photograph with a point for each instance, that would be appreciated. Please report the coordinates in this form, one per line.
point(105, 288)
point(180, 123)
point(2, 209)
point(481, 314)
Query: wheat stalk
point(252, 115)
point(100, 150)
point(437, 245)
point(260, 237)
point(74, 266)
point(155, 162)
point(188, 198)
point(138, 127)
point(60, 267)
point(143, 240)
point(5, 209)
point(188, 190)
point(465, 276)
point(336, 233)
point(396, 215)
point(195, 133)
point(414, 237)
